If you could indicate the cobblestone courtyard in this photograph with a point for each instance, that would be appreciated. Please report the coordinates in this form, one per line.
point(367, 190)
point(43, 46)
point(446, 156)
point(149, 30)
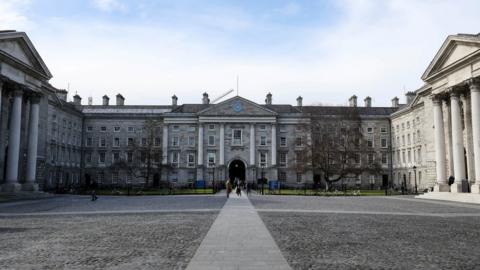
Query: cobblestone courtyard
point(164, 232)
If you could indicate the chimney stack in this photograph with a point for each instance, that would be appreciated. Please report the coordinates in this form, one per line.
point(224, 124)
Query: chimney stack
point(410, 96)
point(174, 101)
point(268, 100)
point(77, 100)
point(120, 100)
point(395, 102)
point(205, 99)
point(105, 100)
point(353, 101)
point(90, 101)
point(299, 101)
point(368, 101)
point(62, 94)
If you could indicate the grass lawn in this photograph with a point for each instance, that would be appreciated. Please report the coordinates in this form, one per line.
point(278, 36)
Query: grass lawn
point(311, 192)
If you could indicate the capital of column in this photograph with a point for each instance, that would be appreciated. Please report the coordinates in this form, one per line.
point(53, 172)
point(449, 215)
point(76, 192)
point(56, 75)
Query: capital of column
point(34, 99)
point(17, 92)
point(437, 99)
point(474, 85)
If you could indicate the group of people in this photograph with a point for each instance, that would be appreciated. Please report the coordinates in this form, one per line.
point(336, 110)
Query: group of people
point(229, 187)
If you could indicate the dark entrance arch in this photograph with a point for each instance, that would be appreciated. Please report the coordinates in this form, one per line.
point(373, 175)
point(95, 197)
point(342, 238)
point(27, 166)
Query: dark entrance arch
point(236, 169)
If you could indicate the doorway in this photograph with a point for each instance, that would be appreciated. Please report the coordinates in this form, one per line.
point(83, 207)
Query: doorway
point(236, 170)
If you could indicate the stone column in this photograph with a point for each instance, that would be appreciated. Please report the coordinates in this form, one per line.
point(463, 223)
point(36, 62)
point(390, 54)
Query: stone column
point(467, 121)
point(221, 162)
point(457, 143)
point(200, 145)
point(11, 182)
point(448, 136)
point(252, 144)
point(475, 100)
point(165, 145)
point(274, 145)
point(30, 184)
point(439, 146)
point(200, 153)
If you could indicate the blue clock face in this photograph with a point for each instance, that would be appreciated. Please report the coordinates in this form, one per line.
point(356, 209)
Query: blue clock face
point(237, 106)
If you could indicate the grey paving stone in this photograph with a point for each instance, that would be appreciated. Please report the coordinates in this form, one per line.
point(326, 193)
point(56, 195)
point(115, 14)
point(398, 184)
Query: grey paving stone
point(238, 239)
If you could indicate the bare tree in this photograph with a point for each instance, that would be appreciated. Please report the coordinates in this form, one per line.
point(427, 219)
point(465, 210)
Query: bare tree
point(144, 154)
point(338, 148)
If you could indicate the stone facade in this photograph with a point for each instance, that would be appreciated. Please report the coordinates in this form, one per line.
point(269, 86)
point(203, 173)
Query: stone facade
point(46, 140)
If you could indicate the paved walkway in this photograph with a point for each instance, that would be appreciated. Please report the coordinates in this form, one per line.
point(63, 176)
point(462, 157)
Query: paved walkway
point(238, 239)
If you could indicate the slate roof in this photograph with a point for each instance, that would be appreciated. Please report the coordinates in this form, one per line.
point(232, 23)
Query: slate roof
point(332, 110)
point(191, 108)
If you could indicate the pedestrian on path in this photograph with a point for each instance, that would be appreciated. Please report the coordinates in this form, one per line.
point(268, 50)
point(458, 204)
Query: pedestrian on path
point(228, 187)
point(239, 191)
point(94, 193)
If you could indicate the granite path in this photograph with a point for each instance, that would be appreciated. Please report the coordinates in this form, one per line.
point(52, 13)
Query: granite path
point(238, 239)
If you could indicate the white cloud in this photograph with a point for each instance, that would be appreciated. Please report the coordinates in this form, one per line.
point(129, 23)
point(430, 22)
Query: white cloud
point(109, 5)
point(11, 15)
point(375, 48)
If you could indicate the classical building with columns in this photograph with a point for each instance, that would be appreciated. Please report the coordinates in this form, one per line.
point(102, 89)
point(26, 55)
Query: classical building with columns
point(48, 141)
point(436, 135)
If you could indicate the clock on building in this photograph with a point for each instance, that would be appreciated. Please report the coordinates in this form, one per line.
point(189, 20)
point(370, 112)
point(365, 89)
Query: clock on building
point(237, 106)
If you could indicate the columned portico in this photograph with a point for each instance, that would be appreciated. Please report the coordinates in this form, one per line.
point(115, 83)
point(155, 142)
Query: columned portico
point(475, 102)
point(30, 184)
point(439, 145)
point(11, 182)
point(457, 143)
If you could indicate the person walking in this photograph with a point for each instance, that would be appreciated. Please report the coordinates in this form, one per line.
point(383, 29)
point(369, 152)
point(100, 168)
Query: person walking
point(228, 187)
point(239, 191)
point(94, 193)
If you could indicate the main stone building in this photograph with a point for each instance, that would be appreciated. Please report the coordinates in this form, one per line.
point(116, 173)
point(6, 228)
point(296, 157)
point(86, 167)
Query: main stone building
point(46, 140)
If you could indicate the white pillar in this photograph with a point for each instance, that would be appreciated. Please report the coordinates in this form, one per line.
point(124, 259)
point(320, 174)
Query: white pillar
point(448, 136)
point(222, 145)
point(467, 121)
point(200, 145)
point(439, 146)
point(252, 144)
point(274, 145)
point(457, 143)
point(11, 182)
point(165, 145)
point(30, 184)
point(475, 100)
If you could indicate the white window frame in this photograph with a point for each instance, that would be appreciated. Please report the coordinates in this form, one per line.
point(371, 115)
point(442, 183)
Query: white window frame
point(383, 130)
point(233, 137)
point(115, 141)
point(102, 139)
point(384, 140)
point(131, 129)
point(103, 129)
point(100, 157)
point(128, 141)
point(175, 141)
point(213, 142)
point(369, 130)
point(283, 144)
point(116, 129)
point(211, 126)
point(281, 163)
point(263, 140)
point(260, 163)
point(211, 155)
point(191, 140)
point(190, 164)
point(175, 158)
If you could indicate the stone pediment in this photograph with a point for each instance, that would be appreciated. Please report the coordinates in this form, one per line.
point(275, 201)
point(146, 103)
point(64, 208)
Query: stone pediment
point(19, 50)
point(237, 106)
point(455, 50)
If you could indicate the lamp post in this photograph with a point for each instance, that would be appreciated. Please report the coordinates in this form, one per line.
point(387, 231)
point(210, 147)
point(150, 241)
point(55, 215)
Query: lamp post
point(263, 176)
point(213, 177)
point(415, 177)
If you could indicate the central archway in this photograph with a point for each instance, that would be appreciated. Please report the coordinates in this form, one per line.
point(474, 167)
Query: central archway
point(236, 170)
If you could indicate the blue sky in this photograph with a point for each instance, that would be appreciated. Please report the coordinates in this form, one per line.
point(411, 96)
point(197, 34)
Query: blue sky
point(325, 51)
